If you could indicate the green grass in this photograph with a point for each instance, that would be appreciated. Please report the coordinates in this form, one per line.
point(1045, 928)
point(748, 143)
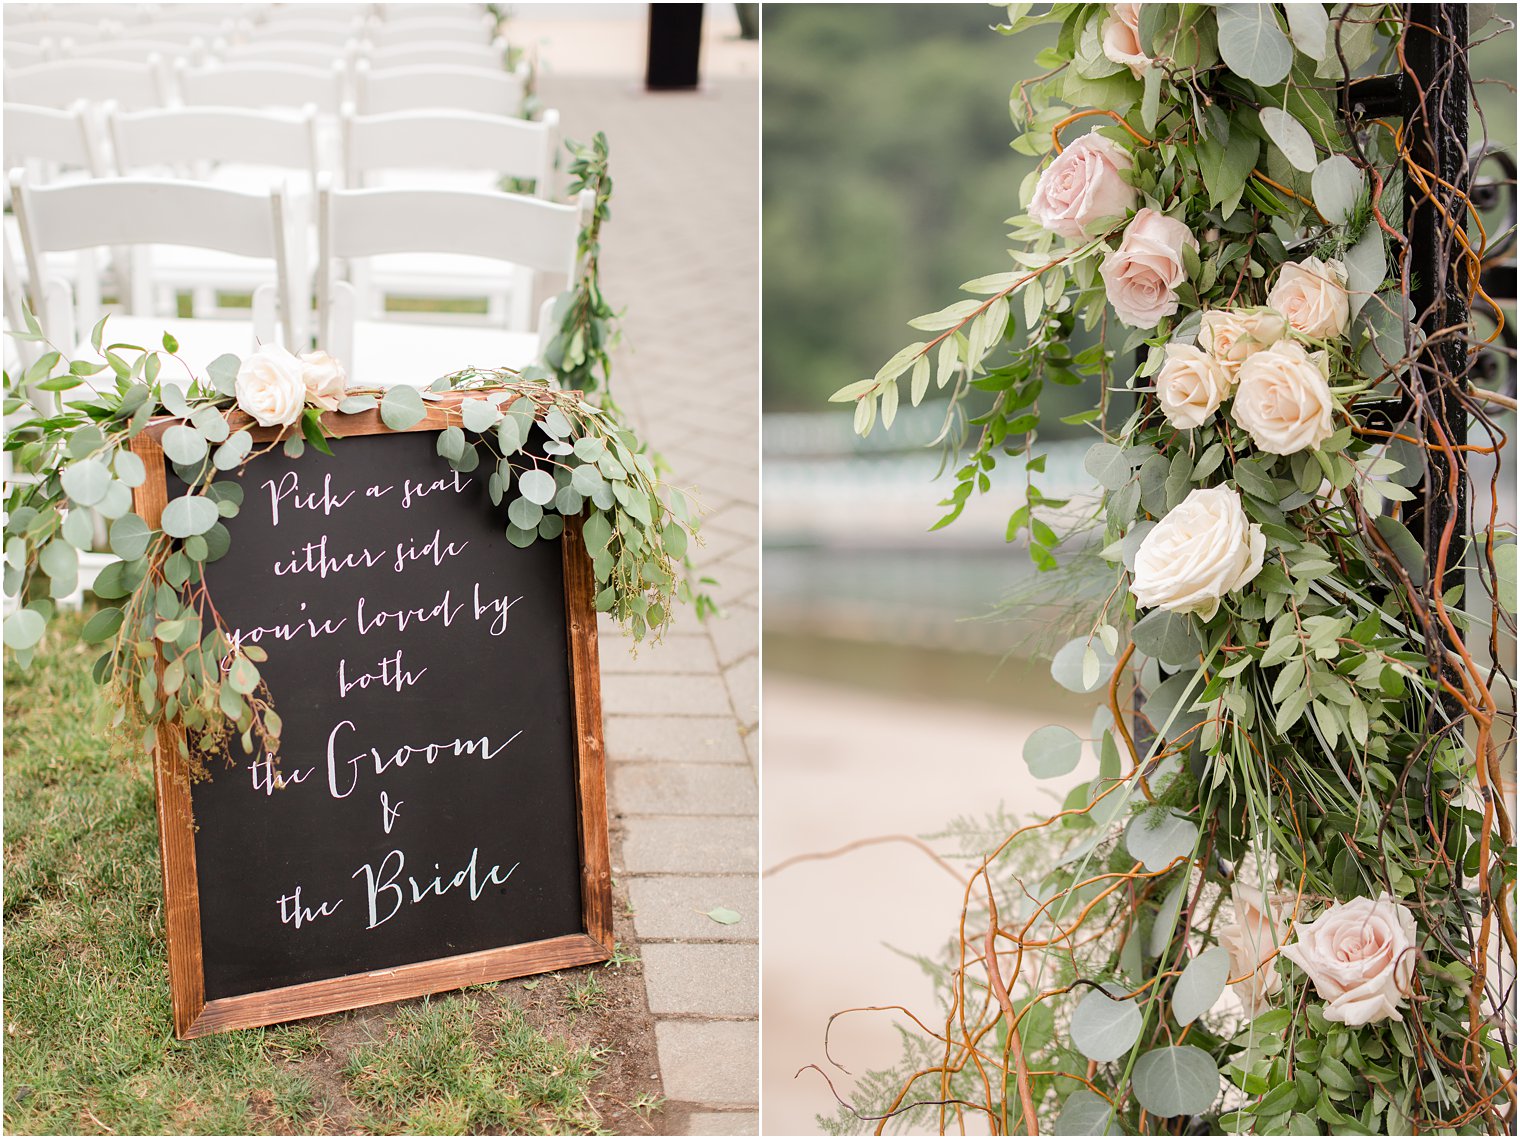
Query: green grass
point(88, 1037)
point(434, 1076)
point(89, 1046)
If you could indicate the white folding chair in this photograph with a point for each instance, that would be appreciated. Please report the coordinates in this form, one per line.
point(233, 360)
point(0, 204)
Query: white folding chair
point(140, 212)
point(439, 53)
point(539, 236)
point(273, 85)
point(278, 51)
point(454, 150)
point(55, 146)
point(53, 143)
point(35, 31)
point(467, 29)
point(136, 51)
point(185, 31)
point(299, 30)
point(232, 147)
point(63, 82)
point(19, 53)
point(482, 90)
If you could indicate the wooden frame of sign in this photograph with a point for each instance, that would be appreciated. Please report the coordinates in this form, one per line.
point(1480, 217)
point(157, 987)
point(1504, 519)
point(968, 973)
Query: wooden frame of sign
point(194, 1015)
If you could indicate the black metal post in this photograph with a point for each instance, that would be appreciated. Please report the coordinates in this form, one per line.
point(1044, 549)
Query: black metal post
point(1435, 94)
point(674, 62)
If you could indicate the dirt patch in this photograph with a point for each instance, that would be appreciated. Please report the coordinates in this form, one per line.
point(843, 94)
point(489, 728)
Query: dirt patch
point(598, 1006)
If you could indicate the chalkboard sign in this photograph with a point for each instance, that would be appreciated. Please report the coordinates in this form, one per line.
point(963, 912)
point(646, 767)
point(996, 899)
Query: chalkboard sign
point(437, 815)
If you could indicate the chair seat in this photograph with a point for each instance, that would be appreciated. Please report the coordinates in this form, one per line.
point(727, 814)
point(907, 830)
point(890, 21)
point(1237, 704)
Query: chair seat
point(387, 353)
point(200, 341)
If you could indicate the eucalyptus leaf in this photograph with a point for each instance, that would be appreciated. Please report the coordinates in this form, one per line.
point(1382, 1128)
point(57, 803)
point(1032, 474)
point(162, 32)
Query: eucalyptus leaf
point(79, 529)
point(1108, 465)
point(1337, 186)
point(184, 444)
point(130, 469)
point(1052, 751)
point(211, 423)
point(86, 482)
point(1067, 666)
point(537, 486)
point(1201, 984)
point(1309, 26)
point(1290, 137)
point(401, 407)
point(1158, 836)
point(130, 537)
point(189, 514)
point(1087, 1113)
point(24, 628)
point(525, 514)
point(1252, 45)
point(222, 372)
point(1104, 1029)
point(1168, 637)
point(1181, 1080)
point(232, 453)
point(479, 416)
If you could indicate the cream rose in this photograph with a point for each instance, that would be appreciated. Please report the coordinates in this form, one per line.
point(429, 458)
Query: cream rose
point(1232, 335)
point(1200, 551)
point(1190, 386)
point(324, 378)
point(1084, 184)
point(1142, 275)
point(1312, 295)
point(1283, 399)
point(1251, 939)
point(269, 387)
point(1360, 956)
point(1121, 38)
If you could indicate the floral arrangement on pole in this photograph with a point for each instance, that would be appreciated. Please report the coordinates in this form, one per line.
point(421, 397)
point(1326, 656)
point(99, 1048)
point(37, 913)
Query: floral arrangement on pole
point(1285, 903)
point(550, 453)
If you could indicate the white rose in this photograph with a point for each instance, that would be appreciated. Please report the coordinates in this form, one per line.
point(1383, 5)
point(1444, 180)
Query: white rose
point(1083, 185)
point(1283, 399)
point(1312, 295)
point(1121, 38)
point(1190, 386)
point(324, 378)
point(270, 388)
point(1200, 551)
point(1360, 956)
point(1232, 335)
point(1257, 932)
point(1142, 275)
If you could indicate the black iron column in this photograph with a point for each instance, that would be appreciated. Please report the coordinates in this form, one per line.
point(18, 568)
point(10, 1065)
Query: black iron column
point(1435, 93)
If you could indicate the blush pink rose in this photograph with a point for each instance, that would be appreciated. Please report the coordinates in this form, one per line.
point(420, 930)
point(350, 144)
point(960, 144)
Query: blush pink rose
point(1083, 185)
point(1360, 955)
point(1121, 38)
point(1142, 275)
point(1312, 295)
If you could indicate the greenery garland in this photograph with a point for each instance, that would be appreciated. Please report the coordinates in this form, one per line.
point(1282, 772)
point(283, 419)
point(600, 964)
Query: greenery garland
point(1285, 904)
point(164, 643)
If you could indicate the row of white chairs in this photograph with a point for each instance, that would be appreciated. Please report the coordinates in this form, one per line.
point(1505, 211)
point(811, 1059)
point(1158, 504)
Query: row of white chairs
point(201, 52)
point(373, 91)
point(255, 150)
point(130, 213)
point(479, 27)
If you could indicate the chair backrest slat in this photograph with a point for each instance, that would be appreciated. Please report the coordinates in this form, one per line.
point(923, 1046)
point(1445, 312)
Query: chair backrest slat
point(451, 140)
point(424, 52)
point(263, 85)
point(63, 82)
point(46, 134)
point(147, 211)
point(507, 227)
point(484, 90)
point(173, 136)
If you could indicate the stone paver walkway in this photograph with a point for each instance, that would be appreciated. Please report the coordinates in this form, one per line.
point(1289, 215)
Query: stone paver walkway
point(681, 253)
